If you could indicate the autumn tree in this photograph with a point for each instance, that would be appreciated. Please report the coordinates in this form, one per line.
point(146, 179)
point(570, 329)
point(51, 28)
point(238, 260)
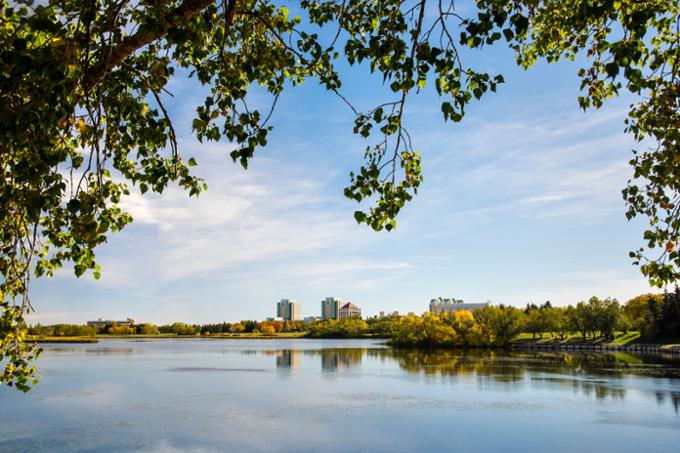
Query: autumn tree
point(237, 328)
point(499, 324)
point(637, 310)
point(120, 330)
point(266, 328)
point(179, 328)
point(147, 329)
point(463, 323)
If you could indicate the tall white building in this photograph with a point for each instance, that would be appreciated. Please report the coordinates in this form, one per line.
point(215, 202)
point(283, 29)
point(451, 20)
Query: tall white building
point(289, 310)
point(441, 305)
point(330, 307)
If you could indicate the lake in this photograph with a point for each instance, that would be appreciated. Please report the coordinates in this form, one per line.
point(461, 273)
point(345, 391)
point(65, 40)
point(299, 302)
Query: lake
point(336, 396)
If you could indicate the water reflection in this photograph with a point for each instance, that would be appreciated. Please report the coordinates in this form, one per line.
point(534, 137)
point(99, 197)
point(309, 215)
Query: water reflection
point(674, 398)
point(334, 360)
point(95, 350)
point(600, 376)
point(288, 358)
point(232, 395)
point(596, 375)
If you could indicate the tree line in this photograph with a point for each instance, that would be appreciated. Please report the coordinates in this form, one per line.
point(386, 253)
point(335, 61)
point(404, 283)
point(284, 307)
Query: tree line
point(655, 316)
point(176, 328)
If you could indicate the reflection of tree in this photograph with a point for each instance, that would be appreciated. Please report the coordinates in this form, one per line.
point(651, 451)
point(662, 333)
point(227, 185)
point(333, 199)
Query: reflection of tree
point(600, 389)
point(673, 396)
point(592, 374)
point(456, 362)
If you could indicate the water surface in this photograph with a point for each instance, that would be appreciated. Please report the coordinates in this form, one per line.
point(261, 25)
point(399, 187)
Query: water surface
point(331, 396)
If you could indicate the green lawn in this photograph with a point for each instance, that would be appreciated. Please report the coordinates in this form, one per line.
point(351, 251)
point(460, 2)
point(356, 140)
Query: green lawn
point(620, 338)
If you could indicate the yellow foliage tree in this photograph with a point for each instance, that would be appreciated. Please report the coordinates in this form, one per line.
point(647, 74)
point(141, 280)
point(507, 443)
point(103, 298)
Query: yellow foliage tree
point(463, 323)
point(267, 329)
point(121, 330)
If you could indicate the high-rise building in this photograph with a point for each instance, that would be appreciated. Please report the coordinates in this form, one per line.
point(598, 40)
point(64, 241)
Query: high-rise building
point(349, 310)
point(330, 307)
point(289, 310)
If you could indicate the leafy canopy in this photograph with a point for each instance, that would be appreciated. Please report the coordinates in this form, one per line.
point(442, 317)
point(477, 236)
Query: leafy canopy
point(83, 121)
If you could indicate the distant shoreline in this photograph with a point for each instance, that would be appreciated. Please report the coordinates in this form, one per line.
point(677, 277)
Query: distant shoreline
point(521, 345)
point(95, 339)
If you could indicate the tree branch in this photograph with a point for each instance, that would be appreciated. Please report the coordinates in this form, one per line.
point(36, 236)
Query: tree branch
point(184, 12)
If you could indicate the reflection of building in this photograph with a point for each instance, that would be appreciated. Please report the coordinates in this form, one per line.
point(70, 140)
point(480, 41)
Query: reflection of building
point(108, 322)
point(349, 310)
point(288, 358)
point(335, 359)
point(440, 305)
point(288, 310)
point(330, 307)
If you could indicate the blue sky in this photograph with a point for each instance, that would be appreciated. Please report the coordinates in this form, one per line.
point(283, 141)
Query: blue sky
point(521, 203)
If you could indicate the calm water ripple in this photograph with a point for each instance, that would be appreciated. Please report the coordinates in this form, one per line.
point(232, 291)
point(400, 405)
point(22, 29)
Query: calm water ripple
point(301, 395)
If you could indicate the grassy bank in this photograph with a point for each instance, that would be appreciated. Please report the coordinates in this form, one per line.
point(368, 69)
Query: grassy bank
point(620, 339)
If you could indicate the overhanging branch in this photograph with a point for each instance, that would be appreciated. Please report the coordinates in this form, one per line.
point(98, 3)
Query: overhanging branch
point(184, 12)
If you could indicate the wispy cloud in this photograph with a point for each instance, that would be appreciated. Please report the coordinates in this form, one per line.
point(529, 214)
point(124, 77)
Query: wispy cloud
point(273, 210)
point(515, 163)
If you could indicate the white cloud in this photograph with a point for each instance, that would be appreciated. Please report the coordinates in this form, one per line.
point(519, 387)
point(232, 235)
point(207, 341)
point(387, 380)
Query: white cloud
point(557, 167)
point(272, 210)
